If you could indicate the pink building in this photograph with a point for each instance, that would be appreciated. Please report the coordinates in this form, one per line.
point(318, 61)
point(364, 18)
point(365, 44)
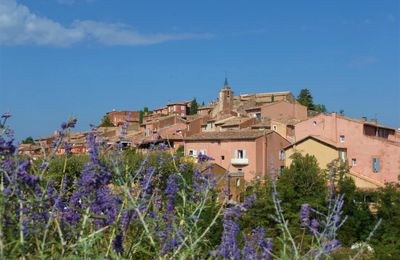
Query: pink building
point(282, 110)
point(372, 150)
point(161, 111)
point(178, 108)
point(121, 117)
point(251, 152)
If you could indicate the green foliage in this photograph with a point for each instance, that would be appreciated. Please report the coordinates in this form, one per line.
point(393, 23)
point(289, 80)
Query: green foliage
point(181, 151)
point(320, 108)
point(302, 182)
point(68, 166)
point(193, 107)
point(260, 213)
point(386, 242)
point(141, 113)
point(28, 140)
point(106, 122)
point(359, 221)
point(306, 99)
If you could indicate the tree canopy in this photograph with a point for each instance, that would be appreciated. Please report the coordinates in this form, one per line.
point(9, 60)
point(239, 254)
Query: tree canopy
point(193, 107)
point(28, 140)
point(106, 122)
point(306, 99)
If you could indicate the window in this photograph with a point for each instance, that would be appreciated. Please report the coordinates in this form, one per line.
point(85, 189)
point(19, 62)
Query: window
point(314, 123)
point(342, 138)
point(375, 165)
point(258, 115)
point(203, 151)
point(240, 154)
point(237, 182)
point(183, 107)
point(280, 169)
point(281, 155)
point(222, 157)
point(274, 127)
point(354, 162)
point(383, 133)
point(193, 153)
point(342, 155)
point(174, 108)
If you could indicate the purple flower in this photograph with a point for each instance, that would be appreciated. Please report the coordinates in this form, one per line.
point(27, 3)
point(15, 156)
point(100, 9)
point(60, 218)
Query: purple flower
point(229, 244)
point(204, 158)
point(314, 226)
point(331, 246)
point(68, 148)
point(256, 246)
point(305, 215)
point(118, 244)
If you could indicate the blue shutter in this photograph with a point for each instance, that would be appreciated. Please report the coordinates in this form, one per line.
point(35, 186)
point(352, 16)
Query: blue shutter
point(376, 165)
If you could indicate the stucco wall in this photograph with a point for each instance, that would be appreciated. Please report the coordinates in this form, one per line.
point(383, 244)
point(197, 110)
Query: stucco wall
point(284, 110)
point(324, 154)
point(275, 144)
point(359, 146)
point(216, 149)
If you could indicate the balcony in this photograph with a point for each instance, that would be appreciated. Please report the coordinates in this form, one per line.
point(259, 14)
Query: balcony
point(239, 161)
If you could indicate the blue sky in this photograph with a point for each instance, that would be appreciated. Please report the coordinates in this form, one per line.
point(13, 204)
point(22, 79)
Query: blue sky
point(86, 57)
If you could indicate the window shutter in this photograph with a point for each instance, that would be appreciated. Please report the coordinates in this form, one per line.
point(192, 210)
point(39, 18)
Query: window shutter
point(244, 154)
point(235, 154)
point(375, 165)
point(378, 166)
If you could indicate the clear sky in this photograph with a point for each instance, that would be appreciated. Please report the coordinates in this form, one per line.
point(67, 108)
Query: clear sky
point(87, 57)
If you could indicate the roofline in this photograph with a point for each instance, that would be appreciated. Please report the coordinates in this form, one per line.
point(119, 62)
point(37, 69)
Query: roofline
point(262, 134)
point(314, 138)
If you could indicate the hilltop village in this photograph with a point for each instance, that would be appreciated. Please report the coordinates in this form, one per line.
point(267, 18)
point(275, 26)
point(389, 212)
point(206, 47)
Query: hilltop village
point(249, 136)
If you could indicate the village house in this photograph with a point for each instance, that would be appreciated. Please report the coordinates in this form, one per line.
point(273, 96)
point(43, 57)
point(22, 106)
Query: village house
point(251, 152)
point(119, 118)
point(161, 111)
point(152, 127)
point(371, 150)
point(178, 108)
point(282, 110)
point(31, 150)
point(323, 149)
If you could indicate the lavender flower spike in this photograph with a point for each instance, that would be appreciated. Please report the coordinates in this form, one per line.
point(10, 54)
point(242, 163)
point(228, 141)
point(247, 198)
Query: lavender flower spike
point(305, 215)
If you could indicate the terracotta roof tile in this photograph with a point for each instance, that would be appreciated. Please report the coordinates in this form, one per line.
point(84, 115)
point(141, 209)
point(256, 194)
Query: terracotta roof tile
point(229, 135)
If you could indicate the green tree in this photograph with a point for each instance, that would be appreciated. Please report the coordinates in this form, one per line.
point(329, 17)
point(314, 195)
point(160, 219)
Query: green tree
point(359, 221)
point(28, 140)
point(386, 241)
point(305, 98)
point(320, 108)
point(141, 113)
point(193, 107)
point(106, 122)
point(260, 212)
